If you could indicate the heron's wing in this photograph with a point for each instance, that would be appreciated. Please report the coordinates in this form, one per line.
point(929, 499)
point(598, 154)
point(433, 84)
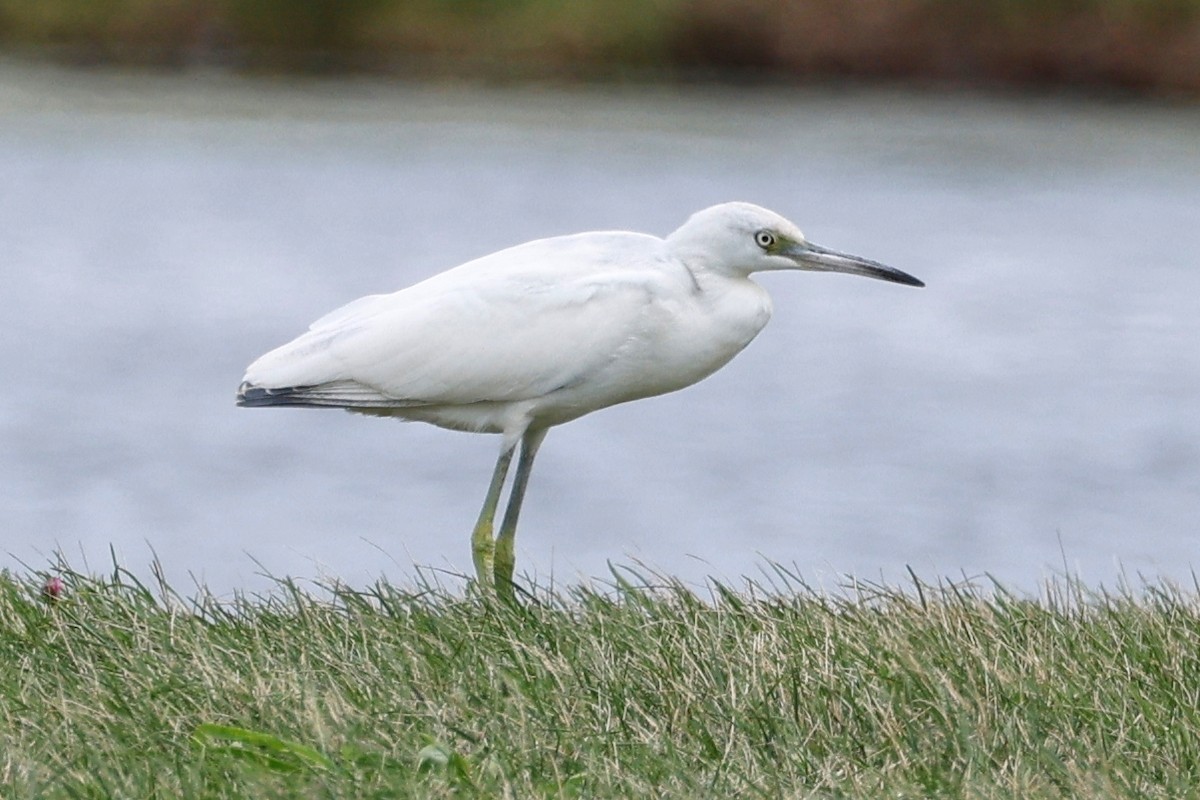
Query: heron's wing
point(511, 326)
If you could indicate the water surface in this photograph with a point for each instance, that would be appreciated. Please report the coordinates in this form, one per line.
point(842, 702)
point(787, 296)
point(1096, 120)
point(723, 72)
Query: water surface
point(1033, 410)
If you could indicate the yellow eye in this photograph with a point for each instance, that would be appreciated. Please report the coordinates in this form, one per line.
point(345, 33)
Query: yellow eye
point(765, 239)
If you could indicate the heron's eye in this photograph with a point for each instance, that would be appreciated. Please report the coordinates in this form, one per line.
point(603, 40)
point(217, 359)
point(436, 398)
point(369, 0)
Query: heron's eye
point(765, 239)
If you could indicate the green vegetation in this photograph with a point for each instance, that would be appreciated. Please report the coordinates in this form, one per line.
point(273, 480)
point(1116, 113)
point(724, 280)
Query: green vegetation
point(643, 689)
point(1146, 45)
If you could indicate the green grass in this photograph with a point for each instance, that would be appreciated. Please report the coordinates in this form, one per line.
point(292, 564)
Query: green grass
point(644, 688)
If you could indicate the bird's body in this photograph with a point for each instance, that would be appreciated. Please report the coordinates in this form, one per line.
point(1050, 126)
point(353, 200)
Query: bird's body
point(542, 333)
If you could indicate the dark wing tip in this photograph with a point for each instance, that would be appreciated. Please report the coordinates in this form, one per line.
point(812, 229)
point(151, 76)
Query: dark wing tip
point(250, 396)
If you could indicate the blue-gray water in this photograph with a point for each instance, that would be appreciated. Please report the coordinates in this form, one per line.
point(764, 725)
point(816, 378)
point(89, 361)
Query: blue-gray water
point(1036, 408)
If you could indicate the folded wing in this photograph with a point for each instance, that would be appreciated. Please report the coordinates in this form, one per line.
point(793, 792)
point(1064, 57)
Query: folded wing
point(512, 326)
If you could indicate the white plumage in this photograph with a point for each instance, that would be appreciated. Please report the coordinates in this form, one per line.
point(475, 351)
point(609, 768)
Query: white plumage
point(542, 333)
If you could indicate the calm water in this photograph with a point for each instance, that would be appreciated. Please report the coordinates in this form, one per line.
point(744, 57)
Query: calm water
point(1036, 408)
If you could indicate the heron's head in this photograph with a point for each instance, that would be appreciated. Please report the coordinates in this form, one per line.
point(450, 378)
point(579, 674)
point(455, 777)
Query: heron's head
point(740, 238)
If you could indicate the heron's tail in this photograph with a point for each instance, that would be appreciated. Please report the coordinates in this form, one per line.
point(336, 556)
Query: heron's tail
point(252, 396)
point(335, 394)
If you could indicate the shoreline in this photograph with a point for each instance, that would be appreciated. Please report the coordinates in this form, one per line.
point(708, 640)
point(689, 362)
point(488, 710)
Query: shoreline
point(1112, 46)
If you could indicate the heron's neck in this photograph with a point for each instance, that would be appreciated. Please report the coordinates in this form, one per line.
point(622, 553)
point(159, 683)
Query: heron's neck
point(712, 279)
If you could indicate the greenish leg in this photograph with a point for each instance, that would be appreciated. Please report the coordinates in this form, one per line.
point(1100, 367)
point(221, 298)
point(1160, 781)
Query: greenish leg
point(482, 546)
point(505, 556)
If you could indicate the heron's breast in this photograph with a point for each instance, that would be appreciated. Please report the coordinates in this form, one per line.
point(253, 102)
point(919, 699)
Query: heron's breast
point(701, 336)
point(677, 343)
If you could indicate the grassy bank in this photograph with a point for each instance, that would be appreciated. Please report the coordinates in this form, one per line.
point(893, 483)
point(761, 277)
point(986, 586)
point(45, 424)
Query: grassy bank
point(118, 690)
point(1127, 44)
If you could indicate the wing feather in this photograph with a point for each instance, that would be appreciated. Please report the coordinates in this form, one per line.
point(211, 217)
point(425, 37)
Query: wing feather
point(511, 326)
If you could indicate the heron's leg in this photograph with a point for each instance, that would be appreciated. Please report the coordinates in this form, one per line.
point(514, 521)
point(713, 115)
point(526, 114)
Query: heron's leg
point(482, 545)
point(505, 540)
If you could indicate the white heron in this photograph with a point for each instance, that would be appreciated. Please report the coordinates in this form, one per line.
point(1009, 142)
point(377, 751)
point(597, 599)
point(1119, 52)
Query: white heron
point(542, 333)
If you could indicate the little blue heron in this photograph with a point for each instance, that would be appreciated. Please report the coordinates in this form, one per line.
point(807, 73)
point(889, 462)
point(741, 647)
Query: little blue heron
point(545, 332)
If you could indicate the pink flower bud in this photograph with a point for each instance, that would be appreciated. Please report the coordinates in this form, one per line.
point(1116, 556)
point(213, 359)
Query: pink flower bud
point(54, 588)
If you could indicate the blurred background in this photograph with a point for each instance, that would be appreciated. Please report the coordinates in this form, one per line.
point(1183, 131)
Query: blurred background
point(1128, 44)
point(187, 184)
